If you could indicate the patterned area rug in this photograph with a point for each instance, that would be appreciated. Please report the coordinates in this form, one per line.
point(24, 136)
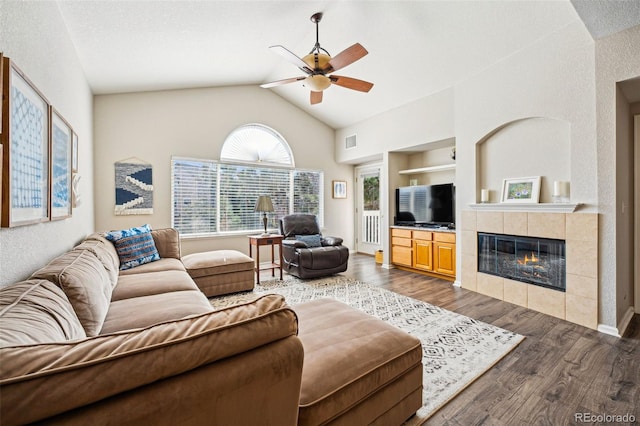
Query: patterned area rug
point(456, 349)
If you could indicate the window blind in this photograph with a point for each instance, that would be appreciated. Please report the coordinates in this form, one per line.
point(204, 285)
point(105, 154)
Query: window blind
point(210, 197)
point(194, 193)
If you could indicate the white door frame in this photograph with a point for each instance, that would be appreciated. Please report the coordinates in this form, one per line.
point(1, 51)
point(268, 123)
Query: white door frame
point(362, 246)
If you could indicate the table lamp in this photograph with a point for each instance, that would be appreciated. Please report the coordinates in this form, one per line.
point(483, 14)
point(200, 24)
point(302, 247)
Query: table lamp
point(264, 205)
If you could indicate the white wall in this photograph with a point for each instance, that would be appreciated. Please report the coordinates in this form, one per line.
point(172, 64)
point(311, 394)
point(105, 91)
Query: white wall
point(617, 60)
point(153, 126)
point(34, 35)
point(546, 90)
point(426, 120)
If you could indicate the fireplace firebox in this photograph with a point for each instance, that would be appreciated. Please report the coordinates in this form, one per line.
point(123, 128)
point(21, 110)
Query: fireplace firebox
point(538, 261)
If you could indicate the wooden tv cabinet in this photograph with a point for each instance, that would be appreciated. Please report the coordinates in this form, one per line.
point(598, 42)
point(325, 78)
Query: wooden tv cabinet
point(425, 251)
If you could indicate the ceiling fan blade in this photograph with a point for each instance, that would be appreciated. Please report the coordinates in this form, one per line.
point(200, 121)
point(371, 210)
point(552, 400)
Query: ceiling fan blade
point(281, 82)
point(346, 57)
point(316, 97)
point(351, 83)
point(291, 57)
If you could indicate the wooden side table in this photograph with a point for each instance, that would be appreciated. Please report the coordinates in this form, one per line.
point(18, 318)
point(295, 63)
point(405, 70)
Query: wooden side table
point(268, 240)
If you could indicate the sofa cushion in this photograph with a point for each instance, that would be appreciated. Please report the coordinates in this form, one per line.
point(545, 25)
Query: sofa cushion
point(136, 285)
point(36, 311)
point(164, 264)
point(105, 252)
point(144, 311)
point(108, 246)
point(313, 240)
point(135, 246)
point(85, 282)
point(38, 380)
point(167, 242)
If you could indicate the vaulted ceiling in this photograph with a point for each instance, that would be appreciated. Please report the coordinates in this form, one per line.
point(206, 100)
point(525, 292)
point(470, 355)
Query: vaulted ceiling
point(416, 48)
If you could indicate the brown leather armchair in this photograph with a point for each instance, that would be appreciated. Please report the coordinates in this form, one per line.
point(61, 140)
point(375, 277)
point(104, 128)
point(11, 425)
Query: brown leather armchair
point(306, 253)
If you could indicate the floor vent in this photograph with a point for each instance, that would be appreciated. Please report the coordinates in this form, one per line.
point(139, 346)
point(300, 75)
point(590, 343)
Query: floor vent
point(350, 142)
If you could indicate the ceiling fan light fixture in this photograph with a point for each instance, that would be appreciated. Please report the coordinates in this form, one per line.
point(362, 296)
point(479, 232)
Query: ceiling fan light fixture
point(317, 82)
point(321, 58)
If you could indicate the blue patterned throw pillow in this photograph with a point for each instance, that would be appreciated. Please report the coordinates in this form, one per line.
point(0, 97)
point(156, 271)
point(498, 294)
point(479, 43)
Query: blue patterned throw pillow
point(135, 246)
point(310, 240)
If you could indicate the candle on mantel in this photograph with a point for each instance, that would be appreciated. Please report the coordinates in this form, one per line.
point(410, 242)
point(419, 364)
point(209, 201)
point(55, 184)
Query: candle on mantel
point(560, 191)
point(484, 195)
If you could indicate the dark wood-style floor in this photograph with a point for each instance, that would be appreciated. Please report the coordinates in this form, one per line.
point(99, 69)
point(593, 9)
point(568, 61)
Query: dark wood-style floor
point(559, 371)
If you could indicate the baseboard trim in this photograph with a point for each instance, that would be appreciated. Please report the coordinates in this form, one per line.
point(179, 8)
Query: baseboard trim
point(626, 319)
point(457, 283)
point(622, 325)
point(387, 266)
point(607, 329)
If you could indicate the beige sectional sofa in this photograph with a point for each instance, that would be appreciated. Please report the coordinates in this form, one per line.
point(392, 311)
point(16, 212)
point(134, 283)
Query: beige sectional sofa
point(82, 342)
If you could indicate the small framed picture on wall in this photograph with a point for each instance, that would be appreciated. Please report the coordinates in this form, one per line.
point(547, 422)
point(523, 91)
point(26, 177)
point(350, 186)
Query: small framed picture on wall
point(339, 189)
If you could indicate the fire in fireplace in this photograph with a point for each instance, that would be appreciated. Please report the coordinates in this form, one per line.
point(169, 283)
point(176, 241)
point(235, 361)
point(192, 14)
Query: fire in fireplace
point(539, 261)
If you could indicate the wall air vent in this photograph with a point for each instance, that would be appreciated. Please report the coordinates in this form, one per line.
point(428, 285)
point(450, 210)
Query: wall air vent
point(350, 142)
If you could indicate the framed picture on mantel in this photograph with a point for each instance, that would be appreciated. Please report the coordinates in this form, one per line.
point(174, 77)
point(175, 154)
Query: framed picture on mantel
point(521, 190)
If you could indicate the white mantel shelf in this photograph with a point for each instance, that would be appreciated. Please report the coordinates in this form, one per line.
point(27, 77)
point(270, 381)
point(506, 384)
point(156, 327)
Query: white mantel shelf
point(428, 169)
point(527, 207)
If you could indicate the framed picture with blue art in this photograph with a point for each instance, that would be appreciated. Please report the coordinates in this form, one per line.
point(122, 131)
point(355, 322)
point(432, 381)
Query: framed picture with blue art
point(521, 190)
point(25, 144)
point(61, 155)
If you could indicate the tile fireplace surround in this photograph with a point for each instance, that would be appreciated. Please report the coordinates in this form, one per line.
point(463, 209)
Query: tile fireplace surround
point(579, 304)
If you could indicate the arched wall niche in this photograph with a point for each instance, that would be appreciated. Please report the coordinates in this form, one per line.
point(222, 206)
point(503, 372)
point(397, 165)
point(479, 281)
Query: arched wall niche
point(531, 146)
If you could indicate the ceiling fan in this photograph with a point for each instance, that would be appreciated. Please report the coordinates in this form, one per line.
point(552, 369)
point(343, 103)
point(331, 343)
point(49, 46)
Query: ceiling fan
point(318, 63)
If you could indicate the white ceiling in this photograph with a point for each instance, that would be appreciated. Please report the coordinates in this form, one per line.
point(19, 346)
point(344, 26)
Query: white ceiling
point(416, 48)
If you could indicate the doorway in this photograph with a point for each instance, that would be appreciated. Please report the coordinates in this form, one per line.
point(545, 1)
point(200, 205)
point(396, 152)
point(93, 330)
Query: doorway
point(368, 209)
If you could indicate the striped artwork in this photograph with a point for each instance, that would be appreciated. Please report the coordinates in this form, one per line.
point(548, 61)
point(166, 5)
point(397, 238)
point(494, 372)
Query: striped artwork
point(134, 188)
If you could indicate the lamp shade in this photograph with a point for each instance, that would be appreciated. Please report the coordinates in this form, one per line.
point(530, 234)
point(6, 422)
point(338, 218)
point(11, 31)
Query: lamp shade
point(317, 82)
point(264, 204)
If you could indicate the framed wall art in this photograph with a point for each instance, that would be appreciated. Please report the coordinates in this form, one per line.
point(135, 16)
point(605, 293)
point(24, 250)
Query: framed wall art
point(521, 190)
point(74, 153)
point(61, 157)
point(25, 141)
point(339, 189)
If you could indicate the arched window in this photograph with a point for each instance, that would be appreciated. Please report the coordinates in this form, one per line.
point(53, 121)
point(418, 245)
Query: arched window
point(219, 196)
point(256, 143)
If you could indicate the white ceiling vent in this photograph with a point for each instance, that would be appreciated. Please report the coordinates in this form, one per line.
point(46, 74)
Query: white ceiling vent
point(350, 142)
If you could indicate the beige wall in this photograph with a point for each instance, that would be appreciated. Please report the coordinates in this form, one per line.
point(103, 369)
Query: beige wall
point(153, 126)
point(34, 35)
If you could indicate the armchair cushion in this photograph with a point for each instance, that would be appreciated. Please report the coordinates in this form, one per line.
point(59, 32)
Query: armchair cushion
point(331, 241)
point(299, 224)
point(313, 240)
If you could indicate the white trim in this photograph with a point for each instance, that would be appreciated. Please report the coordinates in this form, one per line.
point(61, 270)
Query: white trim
point(607, 329)
point(527, 207)
point(387, 266)
point(457, 283)
point(428, 169)
point(622, 325)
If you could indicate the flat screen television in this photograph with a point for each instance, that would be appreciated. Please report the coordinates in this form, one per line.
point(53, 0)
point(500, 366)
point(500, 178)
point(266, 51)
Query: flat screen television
point(426, 205)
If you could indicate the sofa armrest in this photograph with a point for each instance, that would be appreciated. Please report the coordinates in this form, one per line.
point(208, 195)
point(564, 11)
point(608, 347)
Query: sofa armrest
point(167, 241)
point(331, 241)
point(40, 381)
